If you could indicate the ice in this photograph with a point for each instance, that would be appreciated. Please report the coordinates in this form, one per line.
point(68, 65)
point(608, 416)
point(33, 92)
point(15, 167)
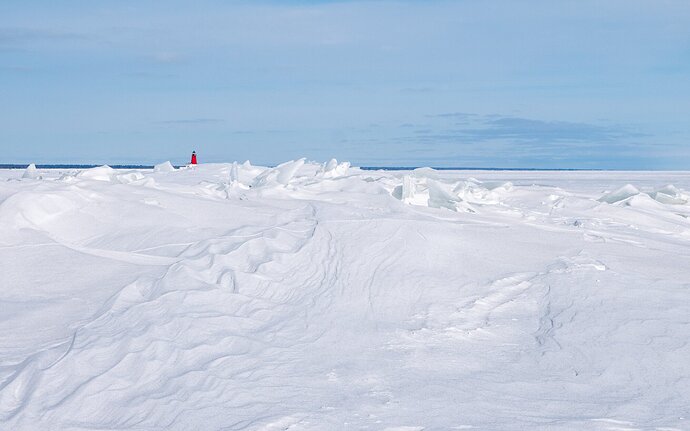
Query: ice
point(101, 173)
point(620, 194)
point(421, 190)
point(670, 195)
point(504, 186)
point(425, 173)
point(439, 197)
point(288, 170)
point(319, 296)
point(485, 193)
point(408, 192)
point(164, 167)
point(234, 172)
point(333, 169)
point(281, 174)
point(409, 189)
point(132, 177)
point(630, 195)
point(330, 165)
point(30, 172)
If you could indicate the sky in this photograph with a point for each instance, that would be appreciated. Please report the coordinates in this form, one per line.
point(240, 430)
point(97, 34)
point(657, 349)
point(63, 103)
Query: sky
point(469, 83)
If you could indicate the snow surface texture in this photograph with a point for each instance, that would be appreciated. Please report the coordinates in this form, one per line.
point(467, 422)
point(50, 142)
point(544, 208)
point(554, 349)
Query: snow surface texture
point(323, 297)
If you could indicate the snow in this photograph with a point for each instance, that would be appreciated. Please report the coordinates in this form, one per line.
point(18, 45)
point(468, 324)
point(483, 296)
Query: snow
point(333, 169)
point(101, 173)
point(620, 195)
point(317, 296)
point(439, 197)
point(281, 174)
point(30, 172)
point(164, 167)
point(669, 194)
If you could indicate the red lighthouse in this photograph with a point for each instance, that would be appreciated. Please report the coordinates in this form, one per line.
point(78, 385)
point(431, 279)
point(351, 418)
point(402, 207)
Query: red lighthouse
point(193, 157)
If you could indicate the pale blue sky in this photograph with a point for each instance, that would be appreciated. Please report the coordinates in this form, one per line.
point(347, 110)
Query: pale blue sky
point(515, 83)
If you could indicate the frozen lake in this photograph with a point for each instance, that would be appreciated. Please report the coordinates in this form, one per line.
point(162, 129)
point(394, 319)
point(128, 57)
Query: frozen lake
point(324, 297)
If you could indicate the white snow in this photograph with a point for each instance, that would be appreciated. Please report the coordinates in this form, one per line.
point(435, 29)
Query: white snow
point(281, 174)
point(333, 169)
point(324, 297)
point(164, 167)
point(101, 173)
point(621, 194)
point(30, 172)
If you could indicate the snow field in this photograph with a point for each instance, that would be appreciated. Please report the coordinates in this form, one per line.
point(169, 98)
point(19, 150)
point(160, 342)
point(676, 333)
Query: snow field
point(313, 297)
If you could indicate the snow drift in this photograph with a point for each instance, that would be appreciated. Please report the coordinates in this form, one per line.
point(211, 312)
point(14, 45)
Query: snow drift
point(316, 296)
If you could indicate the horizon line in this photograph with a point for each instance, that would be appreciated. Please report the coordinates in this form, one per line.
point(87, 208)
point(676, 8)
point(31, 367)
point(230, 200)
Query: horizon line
point(12, 166)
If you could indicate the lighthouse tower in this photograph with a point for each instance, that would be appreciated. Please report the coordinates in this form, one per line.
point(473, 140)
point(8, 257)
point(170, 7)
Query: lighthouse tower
point(193, 162)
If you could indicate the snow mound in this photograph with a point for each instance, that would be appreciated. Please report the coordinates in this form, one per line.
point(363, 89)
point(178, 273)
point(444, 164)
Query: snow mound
point(425, 173)
point(30, 172)
point(670, 195)
point(35, 210)
point(164, 167)
point(100, 173)
point(333, 169)
point(281, 174)
point(133, 177)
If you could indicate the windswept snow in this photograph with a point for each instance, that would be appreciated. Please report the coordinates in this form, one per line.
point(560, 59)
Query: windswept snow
point(322, 297)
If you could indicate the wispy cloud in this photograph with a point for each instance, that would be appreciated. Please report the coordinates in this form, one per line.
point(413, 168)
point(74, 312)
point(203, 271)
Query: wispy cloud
point(517, 129)
point(326, 70)
point(515, 141)
point(417, 90)
point(191, 121)
point(525, 129)
point(462, 115)
point(22, 35)
point(21, 69)
point(166, 57)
